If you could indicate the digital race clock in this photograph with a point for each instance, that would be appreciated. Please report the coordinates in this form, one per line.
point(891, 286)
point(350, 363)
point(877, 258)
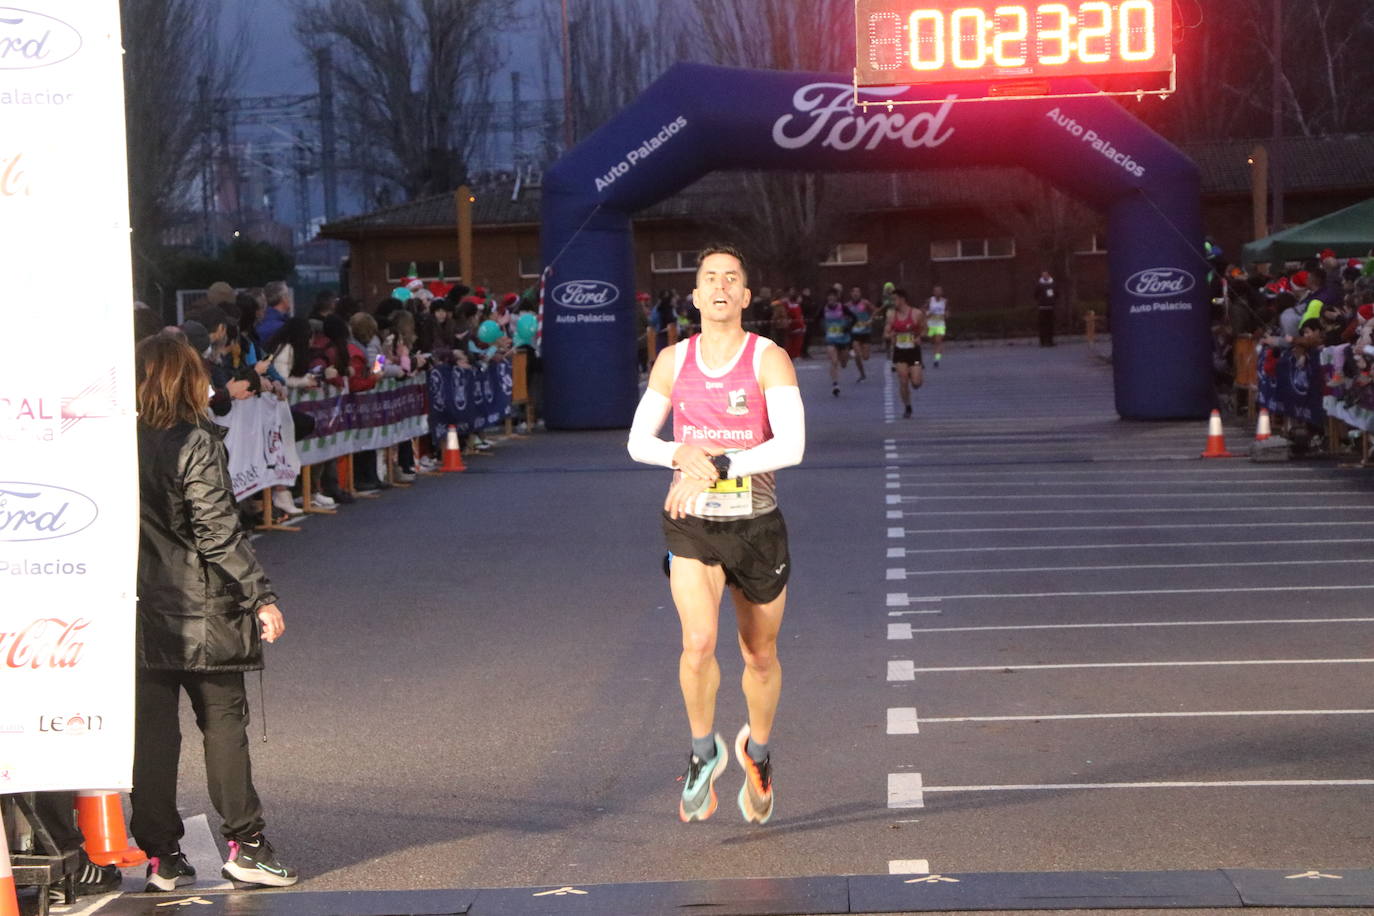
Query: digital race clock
point(915, 42)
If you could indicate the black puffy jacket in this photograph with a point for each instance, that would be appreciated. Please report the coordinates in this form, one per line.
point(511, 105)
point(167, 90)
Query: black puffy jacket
point(199, 584)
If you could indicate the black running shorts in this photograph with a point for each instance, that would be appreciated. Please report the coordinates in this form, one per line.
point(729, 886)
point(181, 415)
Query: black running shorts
point(753, 551)
point(909, 355)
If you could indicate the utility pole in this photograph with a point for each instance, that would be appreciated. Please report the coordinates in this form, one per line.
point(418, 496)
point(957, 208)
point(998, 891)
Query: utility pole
point(207, 166)
point(567, 82)
point(1275, 152)
point(515, 137)
point(328, 166)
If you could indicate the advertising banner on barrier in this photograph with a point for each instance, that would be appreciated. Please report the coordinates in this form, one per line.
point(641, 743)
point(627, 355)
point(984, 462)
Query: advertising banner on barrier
point(345, 422)
point(469, 399)
point(69, 481)
point(262, 445)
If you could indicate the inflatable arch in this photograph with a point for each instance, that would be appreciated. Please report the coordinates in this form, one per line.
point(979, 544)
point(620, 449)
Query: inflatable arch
point(696, 119)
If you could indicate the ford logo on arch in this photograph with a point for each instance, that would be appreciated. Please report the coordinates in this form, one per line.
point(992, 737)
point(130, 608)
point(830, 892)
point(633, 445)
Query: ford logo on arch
point(43, 512)
point(29, 40)
point(1160, 281)
point(585, 294)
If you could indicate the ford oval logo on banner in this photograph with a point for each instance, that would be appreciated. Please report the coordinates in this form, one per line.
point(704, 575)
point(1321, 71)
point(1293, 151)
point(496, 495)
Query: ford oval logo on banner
point(585, 294)
point(1160, 281)
point(42, 512)
point(29, 40)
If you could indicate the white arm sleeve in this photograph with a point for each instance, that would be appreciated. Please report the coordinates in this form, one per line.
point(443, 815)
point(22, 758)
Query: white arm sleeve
point(788, 420)
point(645, 446)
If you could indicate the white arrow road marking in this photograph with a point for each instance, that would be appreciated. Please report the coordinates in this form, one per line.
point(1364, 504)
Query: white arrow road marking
point(559, 892)
point(189, 901)
point(1314, 875)
point(933, 879)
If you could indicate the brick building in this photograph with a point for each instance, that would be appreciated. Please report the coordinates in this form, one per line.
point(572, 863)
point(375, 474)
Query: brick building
point(978, 232)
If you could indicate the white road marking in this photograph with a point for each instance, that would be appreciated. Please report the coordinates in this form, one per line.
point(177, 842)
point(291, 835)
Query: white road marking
point(898, 670)
point(896, 532)
point(899, 631)
point(904, 790)
point(908, 867)
point(896, 574)
point(1352, 523)
point(1171, 545)
point(1220, 784)
point(1023, 569)
point(1083, 497)
point(1254, 509)
point(1016, 475)
point(1152, 623)
point(1075, 490)
point(902, 721)
point(894, 514)
point(902, 599)
point(896, 553)
point(893, 485)
point(1152, 591)
point(1062, 666)
point(894, 499)
point(1139, 715)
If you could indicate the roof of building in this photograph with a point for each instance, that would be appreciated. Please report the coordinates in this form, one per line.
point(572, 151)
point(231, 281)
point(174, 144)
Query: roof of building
point(1309, 164)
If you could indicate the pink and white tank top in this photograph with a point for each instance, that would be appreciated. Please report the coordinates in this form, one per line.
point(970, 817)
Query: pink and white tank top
point(725, 408)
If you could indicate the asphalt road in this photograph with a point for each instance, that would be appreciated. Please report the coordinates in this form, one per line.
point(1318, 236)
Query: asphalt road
point(1021, 635)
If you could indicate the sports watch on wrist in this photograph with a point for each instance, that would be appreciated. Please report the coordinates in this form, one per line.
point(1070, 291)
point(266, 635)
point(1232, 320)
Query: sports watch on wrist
point(722, 463)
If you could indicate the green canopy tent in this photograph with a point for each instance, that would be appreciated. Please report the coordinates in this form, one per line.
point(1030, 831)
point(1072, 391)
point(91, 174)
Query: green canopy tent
point(1348, 232)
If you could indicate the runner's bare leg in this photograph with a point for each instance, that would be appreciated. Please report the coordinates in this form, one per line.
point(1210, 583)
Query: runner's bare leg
point(697, 589)
point(758, 644)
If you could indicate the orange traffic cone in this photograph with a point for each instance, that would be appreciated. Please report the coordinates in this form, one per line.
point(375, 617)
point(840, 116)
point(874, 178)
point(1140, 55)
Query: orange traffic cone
point(1262, 426)
point(101, 819)
point(1216, 444)
point(9, 898)
point(453, 454)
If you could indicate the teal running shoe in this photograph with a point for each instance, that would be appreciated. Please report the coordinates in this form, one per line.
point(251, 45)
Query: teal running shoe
point(699, 784)
point(756, 795)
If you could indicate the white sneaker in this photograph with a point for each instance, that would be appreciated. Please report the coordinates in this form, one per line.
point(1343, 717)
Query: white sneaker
point(321, 501)
point(404, 476)
point(281, 500)
point(428, 464)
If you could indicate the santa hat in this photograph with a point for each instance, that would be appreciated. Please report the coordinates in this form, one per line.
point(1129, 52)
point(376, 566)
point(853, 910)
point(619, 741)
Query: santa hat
point(509, 299)
point(415, 284)
point(642, 297)
point(480, 292)
point(1327, 253)
point(1300, 278)
point(1366, 312)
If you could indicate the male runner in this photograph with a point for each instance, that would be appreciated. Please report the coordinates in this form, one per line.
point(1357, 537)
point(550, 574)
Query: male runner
point(903, 335)
point(937, 310)
point(737, 418)
point(862, 330)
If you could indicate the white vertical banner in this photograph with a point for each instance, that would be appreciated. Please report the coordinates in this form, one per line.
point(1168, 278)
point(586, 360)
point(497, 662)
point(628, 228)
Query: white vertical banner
point(68, 454)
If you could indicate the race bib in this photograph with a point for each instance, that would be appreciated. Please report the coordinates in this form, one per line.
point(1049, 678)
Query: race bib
point(906, 340)
point(732, 497)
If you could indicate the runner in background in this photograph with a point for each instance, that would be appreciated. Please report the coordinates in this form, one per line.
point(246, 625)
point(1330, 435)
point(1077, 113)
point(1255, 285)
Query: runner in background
point(837, 319)
point(862, 330)
point(937, 308)
point(737, 418)
point(903, 334)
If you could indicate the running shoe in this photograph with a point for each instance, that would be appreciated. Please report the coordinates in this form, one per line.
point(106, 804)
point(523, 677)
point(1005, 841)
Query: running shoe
point(756, 795)
point(167, 873)
point(89, 879)
point(835, 391)
point(699, 784)
point(906, 414)
point(253, 861)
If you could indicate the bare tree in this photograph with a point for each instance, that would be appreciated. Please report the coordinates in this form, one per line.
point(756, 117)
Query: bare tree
point(414, 80)
point(789, 218)
point(1053, 224)
point(173, 58)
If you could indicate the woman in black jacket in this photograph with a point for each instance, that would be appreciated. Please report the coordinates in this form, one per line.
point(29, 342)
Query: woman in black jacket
point(204, 608)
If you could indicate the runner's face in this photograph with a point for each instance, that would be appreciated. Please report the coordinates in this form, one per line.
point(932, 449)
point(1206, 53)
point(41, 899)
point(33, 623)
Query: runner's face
point(720, 294)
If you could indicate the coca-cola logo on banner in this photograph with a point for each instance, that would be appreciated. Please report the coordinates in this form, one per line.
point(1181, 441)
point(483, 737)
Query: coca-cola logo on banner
point(825, 114)
point(585, 294)
point(29, 39)
point(1159, 281)
point(48, 642)
point(43, 512)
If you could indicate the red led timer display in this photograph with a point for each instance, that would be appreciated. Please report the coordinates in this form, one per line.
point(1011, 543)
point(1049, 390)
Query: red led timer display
point(940, 41)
